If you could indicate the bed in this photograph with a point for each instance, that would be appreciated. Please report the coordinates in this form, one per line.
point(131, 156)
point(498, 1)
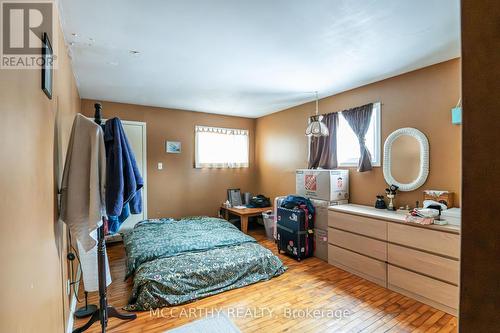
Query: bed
point(178, 261)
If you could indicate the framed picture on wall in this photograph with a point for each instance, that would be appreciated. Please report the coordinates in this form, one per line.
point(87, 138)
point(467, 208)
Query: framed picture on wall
point(47, 66)
point(173, 147)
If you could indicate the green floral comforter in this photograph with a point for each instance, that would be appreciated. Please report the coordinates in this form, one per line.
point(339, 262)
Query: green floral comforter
point(163, 238)
point(190, 276)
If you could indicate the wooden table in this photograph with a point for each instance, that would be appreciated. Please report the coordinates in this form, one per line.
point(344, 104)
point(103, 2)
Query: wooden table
point(244, 214)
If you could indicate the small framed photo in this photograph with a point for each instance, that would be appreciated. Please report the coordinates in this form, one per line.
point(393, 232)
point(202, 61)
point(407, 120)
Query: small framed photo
point(234, 196)
point(173, 147)
point(47, 67)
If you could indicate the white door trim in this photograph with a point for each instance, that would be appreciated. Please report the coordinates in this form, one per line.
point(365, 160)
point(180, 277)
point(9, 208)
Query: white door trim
point(145, 159)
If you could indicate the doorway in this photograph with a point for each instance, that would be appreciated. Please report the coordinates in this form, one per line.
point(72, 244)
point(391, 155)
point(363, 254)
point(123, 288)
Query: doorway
point(136, 134)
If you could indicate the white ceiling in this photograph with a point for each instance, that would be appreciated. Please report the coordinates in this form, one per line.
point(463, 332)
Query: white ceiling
point(250, 57)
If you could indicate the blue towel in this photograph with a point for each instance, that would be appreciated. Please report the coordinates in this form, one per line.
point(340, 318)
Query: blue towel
point(115, 222)
point(123, 179)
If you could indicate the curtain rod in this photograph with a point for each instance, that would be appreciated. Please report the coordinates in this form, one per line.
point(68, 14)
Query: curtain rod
point(338, 111)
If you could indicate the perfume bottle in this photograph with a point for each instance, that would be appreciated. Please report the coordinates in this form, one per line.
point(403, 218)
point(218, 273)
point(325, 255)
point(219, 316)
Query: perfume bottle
point(391, 194)
point(380, 203)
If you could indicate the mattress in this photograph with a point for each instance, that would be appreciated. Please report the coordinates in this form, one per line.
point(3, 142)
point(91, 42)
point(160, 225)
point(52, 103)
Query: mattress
point(163, 238)
point(191, 276)
point(178, 261)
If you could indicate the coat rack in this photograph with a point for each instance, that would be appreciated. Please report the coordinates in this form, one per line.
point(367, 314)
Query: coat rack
point(104, 312)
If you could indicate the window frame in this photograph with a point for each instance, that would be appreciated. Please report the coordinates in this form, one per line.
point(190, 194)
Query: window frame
point(199, 165)
point(376, 157)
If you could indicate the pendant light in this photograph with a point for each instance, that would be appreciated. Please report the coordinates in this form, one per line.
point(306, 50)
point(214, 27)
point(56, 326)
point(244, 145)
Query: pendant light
point(316, 127)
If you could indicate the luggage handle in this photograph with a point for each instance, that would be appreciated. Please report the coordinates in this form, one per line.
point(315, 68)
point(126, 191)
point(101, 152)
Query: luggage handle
point(291, 230)
point(279, 226)
point(306, 211)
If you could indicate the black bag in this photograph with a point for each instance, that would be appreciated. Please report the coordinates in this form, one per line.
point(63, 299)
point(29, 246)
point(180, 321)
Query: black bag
point(295, 232)
point(259, 201)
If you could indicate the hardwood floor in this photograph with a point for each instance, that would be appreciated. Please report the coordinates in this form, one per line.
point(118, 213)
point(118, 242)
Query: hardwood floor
point(343, 303)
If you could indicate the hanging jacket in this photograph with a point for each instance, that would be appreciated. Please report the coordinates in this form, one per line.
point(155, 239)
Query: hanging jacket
point(83, 195)
point(83, 181)
point(123, 179)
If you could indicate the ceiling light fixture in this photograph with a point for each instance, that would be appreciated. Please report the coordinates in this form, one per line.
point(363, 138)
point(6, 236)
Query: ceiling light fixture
point(316, 127)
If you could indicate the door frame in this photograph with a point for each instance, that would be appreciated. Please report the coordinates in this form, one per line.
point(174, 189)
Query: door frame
point(145, 159)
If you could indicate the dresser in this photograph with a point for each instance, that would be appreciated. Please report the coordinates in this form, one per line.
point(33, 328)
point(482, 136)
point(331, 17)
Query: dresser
point(422, 262)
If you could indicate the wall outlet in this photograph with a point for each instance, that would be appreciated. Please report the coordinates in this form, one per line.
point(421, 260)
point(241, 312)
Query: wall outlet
point(160, 166)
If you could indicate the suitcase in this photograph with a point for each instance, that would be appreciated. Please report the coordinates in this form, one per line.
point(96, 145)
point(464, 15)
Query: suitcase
point(295, 232)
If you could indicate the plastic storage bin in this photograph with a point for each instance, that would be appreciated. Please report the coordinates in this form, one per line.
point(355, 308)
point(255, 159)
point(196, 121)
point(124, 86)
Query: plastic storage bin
point(269, 223)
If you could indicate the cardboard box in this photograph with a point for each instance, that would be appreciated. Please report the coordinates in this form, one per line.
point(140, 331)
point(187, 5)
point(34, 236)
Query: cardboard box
point(321, 244)
point(321, 211)
point(328, 185)
point(444, 197)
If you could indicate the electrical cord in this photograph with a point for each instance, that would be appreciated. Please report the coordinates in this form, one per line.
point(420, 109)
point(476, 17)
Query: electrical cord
point(71, 256)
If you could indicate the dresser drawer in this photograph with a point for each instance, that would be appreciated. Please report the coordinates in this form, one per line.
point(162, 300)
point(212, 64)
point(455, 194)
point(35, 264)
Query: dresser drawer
point(438, 242)
point(422, 262)
point(368, 268)
point(441, 295)
point(358, 224)
point(364, 245)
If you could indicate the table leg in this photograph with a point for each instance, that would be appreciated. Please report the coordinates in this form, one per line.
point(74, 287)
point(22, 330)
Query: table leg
point(244, 224)
point(226, 214)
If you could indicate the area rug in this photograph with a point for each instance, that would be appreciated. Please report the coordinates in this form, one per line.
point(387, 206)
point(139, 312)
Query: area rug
point(213, 324)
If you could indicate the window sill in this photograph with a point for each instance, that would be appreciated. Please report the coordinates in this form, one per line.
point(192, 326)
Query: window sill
point(220, 168)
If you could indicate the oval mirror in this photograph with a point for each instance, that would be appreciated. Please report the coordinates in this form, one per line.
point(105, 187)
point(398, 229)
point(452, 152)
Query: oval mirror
point(406, 159)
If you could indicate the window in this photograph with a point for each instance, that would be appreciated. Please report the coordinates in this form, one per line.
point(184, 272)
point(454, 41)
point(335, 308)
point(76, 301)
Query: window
point(217, 147)
point(348, 145)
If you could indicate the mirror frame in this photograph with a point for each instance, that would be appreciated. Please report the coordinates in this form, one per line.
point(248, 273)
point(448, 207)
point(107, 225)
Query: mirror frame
point(424, 158)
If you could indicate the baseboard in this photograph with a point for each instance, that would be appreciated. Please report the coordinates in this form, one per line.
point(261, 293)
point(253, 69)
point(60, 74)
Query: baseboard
point(74, 301)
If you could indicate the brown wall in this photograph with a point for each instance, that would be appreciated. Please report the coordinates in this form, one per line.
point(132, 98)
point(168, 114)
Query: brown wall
point(480, 269)
point(180, 189)
point(420, 99)
point(34, 132)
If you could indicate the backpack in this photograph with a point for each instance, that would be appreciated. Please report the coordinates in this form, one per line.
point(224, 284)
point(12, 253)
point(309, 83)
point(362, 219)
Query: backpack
point(259, 201)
